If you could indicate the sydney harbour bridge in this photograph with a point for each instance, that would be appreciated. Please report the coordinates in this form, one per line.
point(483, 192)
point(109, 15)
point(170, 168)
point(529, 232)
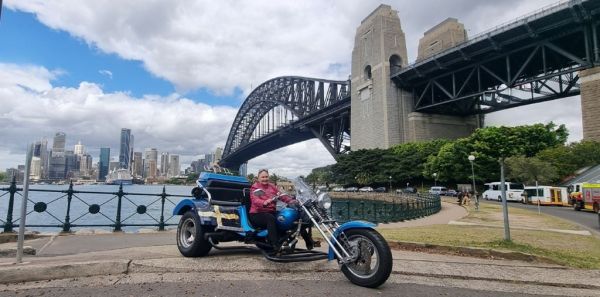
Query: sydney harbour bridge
point(548, 54)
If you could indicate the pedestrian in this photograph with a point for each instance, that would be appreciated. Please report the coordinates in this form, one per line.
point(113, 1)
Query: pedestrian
point(460, 197)
point(466, 200)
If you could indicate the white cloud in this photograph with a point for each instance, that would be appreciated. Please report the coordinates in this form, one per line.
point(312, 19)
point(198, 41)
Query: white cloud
point(33, 108)
point(106, 73)
point(223, 45)
point(293, 160)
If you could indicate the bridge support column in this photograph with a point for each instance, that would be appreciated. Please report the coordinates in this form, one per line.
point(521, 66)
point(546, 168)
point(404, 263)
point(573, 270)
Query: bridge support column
point(590, 103)
point(423, 126)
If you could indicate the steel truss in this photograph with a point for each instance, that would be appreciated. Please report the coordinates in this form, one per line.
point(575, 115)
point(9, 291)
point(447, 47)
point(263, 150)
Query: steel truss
point(286, 104)
point(530, 62)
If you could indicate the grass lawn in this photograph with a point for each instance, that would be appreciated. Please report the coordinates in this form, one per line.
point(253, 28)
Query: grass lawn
point(566, 249)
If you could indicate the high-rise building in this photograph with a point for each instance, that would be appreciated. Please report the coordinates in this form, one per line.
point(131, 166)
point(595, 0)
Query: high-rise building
point(131, 154)
point(218, 154)
point(125, 152)
point(174, 167)
point(150, 163)
point(58, 145)
point(164, 164)
point(71, 165)
point(79, 149)
point(208, 158)
point(57, 163)
point(85, 165)
point(138, 165)
point(104, 163)
point(35, 172)
point(40, 150)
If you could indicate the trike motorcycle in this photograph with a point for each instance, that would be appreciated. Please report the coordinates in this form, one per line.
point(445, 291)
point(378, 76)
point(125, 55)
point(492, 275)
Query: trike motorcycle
point(219, 213)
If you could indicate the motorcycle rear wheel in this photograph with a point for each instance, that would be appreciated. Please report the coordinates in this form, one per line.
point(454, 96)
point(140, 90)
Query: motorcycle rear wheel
point(190, 236)
point(374, 264)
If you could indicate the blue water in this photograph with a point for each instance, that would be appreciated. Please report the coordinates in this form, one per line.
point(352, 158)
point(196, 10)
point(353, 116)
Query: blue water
point(79, 214)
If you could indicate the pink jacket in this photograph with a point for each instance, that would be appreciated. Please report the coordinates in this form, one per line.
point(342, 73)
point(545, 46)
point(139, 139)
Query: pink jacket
point(270, 192)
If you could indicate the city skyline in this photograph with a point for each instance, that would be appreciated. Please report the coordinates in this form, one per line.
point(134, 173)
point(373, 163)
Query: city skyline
point(61, 163)
point(95, 78)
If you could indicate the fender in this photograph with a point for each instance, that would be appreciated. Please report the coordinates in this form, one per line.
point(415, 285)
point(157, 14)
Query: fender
point(346, 226)
point(184, 205)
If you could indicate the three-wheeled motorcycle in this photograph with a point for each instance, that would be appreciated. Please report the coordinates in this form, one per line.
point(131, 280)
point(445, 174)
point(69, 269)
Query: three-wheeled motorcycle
point(219, 213)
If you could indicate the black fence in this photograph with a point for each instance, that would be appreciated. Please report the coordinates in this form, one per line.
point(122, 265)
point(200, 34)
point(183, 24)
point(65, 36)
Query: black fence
point(120, 209)
point(383, 207)
point(116, 216)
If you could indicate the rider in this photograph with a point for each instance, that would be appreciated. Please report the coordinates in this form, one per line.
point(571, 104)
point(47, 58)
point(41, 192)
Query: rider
point(262, 209)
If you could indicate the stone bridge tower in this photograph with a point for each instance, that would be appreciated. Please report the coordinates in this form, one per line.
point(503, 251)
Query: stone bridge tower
point(382, 115)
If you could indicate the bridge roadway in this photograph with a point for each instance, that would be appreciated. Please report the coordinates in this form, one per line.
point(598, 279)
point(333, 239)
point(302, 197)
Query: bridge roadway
point(149, 264)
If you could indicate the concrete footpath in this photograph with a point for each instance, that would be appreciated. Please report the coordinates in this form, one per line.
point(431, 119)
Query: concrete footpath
point(126, 255)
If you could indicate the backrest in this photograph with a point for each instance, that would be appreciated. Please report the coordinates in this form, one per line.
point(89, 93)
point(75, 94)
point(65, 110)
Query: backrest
point(229, 193)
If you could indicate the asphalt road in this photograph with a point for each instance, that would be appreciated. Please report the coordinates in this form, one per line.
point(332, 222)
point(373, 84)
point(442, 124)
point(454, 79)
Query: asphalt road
point(587, 219)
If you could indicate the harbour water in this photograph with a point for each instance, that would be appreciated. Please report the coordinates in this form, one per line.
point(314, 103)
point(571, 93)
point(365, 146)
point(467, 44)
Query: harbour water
point(56, 206)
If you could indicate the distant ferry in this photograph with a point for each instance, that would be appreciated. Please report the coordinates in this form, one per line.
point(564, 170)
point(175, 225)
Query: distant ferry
point(119, 177)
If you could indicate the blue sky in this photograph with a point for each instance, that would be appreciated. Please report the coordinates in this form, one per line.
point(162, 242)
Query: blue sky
point(24, 40)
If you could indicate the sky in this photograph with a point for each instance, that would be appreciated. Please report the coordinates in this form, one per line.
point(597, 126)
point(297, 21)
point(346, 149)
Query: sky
point(176, 72)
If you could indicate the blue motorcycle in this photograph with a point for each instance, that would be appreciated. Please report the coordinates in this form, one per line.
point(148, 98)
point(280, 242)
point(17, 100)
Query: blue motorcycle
point(219, 213)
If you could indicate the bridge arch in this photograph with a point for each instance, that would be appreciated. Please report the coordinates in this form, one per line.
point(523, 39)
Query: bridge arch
point(299, 99)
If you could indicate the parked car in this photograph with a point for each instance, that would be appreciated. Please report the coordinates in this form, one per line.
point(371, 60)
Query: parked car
point(452, 193)
point(408, 190)
point(338, 189)
point(438, 190)
point(352, 189)
point(365, 189)
point(380, 190)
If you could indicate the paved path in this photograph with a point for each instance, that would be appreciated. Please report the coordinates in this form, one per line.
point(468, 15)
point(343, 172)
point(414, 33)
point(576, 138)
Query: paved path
point(107, 264)
point(449, 212)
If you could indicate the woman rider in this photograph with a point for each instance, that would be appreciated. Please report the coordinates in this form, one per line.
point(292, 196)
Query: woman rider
point(262, 209)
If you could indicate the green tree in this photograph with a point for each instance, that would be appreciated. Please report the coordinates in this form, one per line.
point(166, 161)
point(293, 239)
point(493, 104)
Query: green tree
point(3, 177)
point(410, 159)
point(530, 170)
point(274, 178)
point(251, 177)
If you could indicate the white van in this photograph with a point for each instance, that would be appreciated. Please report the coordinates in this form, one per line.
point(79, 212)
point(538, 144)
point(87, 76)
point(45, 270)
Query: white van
point(438, 190)
point(513, 191)
point(546, 195)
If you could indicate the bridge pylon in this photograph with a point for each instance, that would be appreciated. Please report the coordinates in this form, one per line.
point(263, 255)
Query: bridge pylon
point(382, 114)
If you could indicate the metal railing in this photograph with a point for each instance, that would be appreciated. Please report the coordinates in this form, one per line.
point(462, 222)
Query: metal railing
point(115, 220)
point(384, 208)
point(374, 207)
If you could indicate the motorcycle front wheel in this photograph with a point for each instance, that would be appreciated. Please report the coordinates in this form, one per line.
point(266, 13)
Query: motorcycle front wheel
point(373, 265)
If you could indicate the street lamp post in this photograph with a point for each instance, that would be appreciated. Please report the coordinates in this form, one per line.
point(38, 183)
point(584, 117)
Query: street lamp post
point(471, 159)
point(435, 179)
point(390, 178)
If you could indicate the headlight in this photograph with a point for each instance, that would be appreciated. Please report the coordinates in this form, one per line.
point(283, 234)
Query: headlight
point(324, 200)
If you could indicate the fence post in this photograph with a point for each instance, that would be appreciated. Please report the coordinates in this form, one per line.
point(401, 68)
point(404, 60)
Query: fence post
point(67, 224)
point(348, 209)
point(8, 227)
point(161, 224)
point(375, 212)
point(120, 195)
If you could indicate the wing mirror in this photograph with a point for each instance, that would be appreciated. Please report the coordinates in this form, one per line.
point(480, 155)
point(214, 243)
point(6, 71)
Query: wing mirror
point(258, 192)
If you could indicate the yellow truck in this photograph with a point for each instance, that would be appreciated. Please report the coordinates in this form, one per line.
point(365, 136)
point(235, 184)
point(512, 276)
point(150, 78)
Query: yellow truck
point(585, 196)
